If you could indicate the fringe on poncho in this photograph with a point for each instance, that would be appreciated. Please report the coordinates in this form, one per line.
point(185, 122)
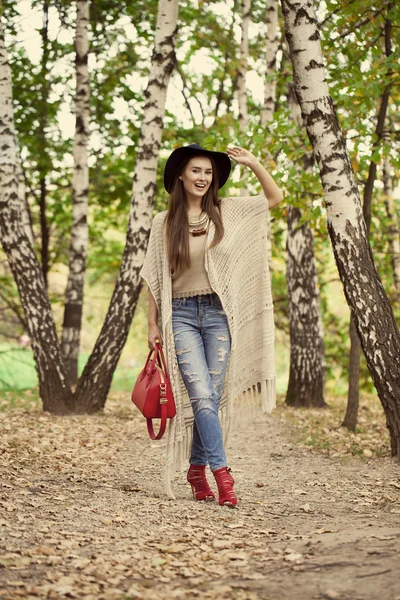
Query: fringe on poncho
point(239, 273)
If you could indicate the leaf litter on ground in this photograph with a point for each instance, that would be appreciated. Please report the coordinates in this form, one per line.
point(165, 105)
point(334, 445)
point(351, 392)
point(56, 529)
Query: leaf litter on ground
point(83, 512)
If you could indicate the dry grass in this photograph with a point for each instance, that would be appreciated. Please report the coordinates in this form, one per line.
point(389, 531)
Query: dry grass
point(320, 429)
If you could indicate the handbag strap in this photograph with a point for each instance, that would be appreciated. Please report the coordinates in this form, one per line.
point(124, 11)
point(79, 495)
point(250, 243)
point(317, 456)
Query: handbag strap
point(159, 358)
point(149, 357)
point(163, 404)
point(163, 424)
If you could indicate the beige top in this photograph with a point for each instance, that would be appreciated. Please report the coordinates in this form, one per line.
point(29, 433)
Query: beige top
point(193, 281)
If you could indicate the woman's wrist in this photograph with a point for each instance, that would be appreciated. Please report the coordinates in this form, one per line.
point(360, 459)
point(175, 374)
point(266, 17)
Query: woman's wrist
point(254, 164)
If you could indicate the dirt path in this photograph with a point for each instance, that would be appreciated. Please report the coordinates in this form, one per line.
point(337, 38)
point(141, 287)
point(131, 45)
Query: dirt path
point(83, 515)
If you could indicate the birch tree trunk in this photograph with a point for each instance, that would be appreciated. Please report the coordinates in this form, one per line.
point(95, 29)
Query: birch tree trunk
point(394, 231)
point(267, 112)
point(23, 262)
point(307, 352)
point(307, 362)
point(43, 146)
point(243, 117)
point(271, 21)
point(80, 183)
point(373, 315)
point(353, 395)
point(94, 384)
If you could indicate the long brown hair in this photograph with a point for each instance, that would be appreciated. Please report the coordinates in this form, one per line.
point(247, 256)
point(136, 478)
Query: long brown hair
point(177, 219)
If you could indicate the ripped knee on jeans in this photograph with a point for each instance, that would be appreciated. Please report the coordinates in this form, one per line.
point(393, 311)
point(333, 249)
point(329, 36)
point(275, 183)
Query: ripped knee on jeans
point(205, 402)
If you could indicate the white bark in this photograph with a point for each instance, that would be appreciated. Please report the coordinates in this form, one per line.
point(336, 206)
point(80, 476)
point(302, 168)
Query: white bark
point(243, 118)
point(350, 419)
point(95, 382)
point(319, 116)
point(272, 31)
point(80, 191)
point(394, 231)
point(267, 112)
point(374, 319)
point(22, 259)
point(9, 164)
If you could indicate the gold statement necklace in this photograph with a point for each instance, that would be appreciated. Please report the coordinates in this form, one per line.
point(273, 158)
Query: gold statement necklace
point(198, 226)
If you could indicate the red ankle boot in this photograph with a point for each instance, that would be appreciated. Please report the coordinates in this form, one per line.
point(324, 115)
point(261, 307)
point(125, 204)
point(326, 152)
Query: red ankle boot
point(225, 483)
point(197, 478)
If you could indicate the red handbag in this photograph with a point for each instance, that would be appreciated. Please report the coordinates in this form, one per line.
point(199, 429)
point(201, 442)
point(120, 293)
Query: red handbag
point(152, 393)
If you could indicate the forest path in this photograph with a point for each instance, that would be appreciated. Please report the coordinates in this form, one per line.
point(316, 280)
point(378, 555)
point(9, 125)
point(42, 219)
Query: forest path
point(83, 515)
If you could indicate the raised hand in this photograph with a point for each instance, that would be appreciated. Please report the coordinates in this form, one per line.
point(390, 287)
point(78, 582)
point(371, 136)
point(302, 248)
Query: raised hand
point(246, 158)
point(241, 156)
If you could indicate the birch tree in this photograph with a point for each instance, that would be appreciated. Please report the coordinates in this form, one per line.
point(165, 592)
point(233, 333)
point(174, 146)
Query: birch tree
point(96, 379)
point(243, 117)
point(307, 355)
point(307, 365)
point(272, 40)
point(373, 315)
point(267, 111)
point(80, 189)
point(43, 162)
point(41, 91)
point(22, 259)
point(353, 396)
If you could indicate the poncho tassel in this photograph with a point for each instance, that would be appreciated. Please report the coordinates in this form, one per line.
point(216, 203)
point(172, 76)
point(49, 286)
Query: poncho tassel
point(170, 466)
point(268, 395)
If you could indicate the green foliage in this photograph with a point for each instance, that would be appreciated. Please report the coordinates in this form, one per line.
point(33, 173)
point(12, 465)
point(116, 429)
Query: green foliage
point(202, 108)
point(17, 368)
point(10, 14)
point(358, 72)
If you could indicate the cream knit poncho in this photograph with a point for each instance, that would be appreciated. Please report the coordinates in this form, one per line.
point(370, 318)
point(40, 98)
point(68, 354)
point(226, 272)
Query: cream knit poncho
point(238, 272)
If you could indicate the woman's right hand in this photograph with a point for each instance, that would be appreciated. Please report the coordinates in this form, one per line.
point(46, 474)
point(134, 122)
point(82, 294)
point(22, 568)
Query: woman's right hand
point(153, 335)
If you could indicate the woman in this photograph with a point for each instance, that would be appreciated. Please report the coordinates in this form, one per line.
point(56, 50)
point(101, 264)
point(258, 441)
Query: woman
point(209, 301)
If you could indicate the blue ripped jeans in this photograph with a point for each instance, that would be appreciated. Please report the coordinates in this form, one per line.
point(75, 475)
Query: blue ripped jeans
point(202, 345)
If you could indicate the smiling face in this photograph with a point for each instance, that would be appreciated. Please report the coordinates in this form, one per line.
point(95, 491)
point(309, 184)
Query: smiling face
point(197, 177)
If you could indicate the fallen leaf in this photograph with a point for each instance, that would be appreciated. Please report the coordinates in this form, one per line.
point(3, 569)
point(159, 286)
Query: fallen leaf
point(158, 562)
point(331, 594)
point(323, 530)
point(293, 557)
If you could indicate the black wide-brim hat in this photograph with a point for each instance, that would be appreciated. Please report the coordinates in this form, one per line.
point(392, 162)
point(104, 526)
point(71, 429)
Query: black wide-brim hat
point(221, 160)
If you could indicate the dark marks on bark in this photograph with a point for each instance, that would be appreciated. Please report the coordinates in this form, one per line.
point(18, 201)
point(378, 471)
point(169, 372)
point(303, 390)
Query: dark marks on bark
point(364, 293)
point(303, 16)
point(313, 64)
